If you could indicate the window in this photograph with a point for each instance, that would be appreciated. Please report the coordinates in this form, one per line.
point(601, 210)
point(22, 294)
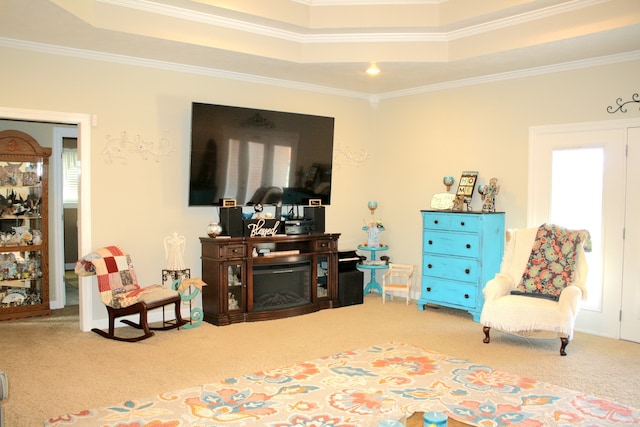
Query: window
point(577, 176)
point(70, 175)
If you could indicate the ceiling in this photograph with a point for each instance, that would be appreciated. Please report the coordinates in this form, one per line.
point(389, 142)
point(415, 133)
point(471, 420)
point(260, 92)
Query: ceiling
point(326, 45)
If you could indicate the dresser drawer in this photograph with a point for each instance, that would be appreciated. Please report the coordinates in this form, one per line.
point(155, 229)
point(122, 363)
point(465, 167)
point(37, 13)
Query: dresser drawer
point(449, 292)
point(436, 221)
point(324, 245)
point(461, 244)
point(232, 251)
point(464, 223)
point(451, 222)
point(463, 269)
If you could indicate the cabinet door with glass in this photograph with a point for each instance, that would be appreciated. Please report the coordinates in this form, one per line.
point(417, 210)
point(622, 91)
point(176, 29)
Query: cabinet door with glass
point(322, 277)
point(24, 260)
point(235, 280)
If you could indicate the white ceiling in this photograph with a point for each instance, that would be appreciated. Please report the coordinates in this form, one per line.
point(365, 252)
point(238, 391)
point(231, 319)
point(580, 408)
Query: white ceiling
point(327, 44)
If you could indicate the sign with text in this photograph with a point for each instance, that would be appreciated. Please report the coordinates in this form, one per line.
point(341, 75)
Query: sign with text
point(261, 227)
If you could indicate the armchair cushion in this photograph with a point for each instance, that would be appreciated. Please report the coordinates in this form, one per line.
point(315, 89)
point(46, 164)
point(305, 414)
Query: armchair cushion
point(529, 316)
point(551, 266)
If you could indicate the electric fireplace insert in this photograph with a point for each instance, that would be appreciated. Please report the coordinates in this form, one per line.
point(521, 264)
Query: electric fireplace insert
point(281, 286)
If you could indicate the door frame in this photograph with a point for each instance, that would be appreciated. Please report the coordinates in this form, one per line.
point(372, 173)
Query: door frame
point(538, 209)
point(83, 123)
point(629, 308)
point(56, 259)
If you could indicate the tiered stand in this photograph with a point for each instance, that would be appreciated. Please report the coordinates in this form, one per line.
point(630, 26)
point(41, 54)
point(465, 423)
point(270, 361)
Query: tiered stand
point(373, 264)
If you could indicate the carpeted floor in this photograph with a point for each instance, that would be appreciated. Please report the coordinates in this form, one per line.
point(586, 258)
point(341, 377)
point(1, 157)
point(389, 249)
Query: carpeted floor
point(364, 387)
point(54, 368)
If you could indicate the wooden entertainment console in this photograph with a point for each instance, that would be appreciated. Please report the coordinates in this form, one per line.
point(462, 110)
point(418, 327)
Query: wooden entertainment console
point(262, 278)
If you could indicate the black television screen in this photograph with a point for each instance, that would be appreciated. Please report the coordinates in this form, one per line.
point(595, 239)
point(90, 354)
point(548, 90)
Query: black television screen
point(259, 156)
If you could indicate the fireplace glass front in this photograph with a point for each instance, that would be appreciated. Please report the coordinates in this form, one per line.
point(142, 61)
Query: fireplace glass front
point(281, 286)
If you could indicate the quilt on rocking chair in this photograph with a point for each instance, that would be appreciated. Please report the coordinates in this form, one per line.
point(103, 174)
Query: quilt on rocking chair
point(117, 281)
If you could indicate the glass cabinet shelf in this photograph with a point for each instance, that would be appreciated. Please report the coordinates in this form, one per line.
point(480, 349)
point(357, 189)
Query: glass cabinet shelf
point(24, 273)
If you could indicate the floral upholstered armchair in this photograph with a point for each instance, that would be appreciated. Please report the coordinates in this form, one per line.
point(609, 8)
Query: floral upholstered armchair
point(540, 286)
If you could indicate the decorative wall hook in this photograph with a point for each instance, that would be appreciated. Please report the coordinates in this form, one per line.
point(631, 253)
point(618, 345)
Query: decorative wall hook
point(634, 98)
point(117, 148)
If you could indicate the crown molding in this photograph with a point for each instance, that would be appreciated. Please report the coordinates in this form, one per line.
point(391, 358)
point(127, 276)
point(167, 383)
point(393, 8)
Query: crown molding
point(522, 18)
point(510, 75)
point(355, 36)
point(172, 66)
point(206, 18)
point(373, 99)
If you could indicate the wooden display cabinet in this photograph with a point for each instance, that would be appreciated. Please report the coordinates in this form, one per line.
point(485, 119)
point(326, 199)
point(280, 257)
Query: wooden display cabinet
point(251, 279)
point(24, 259)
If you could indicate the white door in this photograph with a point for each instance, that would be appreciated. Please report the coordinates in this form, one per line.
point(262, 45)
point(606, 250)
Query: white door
point(591, 196)
point(630, 314)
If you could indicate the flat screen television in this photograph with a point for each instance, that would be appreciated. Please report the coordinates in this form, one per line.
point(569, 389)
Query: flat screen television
point(259, 156)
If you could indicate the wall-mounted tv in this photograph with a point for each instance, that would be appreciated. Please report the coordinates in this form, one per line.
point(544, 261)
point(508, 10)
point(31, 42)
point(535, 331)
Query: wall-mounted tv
point(259, 156)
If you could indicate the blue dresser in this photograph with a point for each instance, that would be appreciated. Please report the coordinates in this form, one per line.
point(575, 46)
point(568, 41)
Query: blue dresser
point(461, 251)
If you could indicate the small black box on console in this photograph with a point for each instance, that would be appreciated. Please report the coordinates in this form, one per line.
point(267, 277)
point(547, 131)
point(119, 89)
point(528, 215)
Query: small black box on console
point(315, 214)
point(231, 221)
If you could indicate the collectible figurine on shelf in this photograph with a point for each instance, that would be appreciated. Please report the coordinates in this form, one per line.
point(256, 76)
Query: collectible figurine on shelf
point(373, 240)
point(488, 193)
point(458, 202)
point(174, 251)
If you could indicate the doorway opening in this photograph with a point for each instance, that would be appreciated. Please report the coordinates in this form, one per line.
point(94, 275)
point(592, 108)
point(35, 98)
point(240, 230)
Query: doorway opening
point(81, 123)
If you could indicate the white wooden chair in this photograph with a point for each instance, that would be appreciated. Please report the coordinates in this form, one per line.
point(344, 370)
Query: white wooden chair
point(398, 278)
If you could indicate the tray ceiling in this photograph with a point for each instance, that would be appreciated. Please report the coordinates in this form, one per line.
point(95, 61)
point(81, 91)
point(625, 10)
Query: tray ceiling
point(326, 44)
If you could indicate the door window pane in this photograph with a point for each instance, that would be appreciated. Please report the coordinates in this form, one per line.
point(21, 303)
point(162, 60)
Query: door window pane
point(576, 203)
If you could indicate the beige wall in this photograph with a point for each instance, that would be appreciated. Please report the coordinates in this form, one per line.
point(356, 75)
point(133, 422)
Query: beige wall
point(412, 142)
point(485, 127)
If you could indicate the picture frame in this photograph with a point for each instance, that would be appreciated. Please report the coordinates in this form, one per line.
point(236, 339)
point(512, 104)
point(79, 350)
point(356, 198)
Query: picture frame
point(467, 185)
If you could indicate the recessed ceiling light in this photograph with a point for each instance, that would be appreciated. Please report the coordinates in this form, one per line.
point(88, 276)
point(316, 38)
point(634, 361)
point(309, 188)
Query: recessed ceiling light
point(373, 69)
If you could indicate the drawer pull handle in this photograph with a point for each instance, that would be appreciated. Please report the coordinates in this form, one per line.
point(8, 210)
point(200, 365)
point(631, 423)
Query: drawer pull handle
point(429, 265)
point(468, 246)
point(467, 271)
point(466, 296)
point(462, 223)
point(435, 221)
point(430, 242)
point(428, 289)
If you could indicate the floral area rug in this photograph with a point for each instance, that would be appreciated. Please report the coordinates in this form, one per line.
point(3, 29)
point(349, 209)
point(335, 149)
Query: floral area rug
point(353, 388)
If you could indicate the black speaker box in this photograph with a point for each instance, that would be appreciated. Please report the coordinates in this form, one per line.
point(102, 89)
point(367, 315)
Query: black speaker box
point(350, 291)
point(316, 214)
point(231, 221)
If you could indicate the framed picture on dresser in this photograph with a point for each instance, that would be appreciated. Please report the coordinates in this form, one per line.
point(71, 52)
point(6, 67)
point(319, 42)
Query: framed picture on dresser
point(467, 183)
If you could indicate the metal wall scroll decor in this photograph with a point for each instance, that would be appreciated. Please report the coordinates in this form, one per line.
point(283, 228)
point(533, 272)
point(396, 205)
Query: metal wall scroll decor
point(621, 105)
point(355, 158)
point(119, 148)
